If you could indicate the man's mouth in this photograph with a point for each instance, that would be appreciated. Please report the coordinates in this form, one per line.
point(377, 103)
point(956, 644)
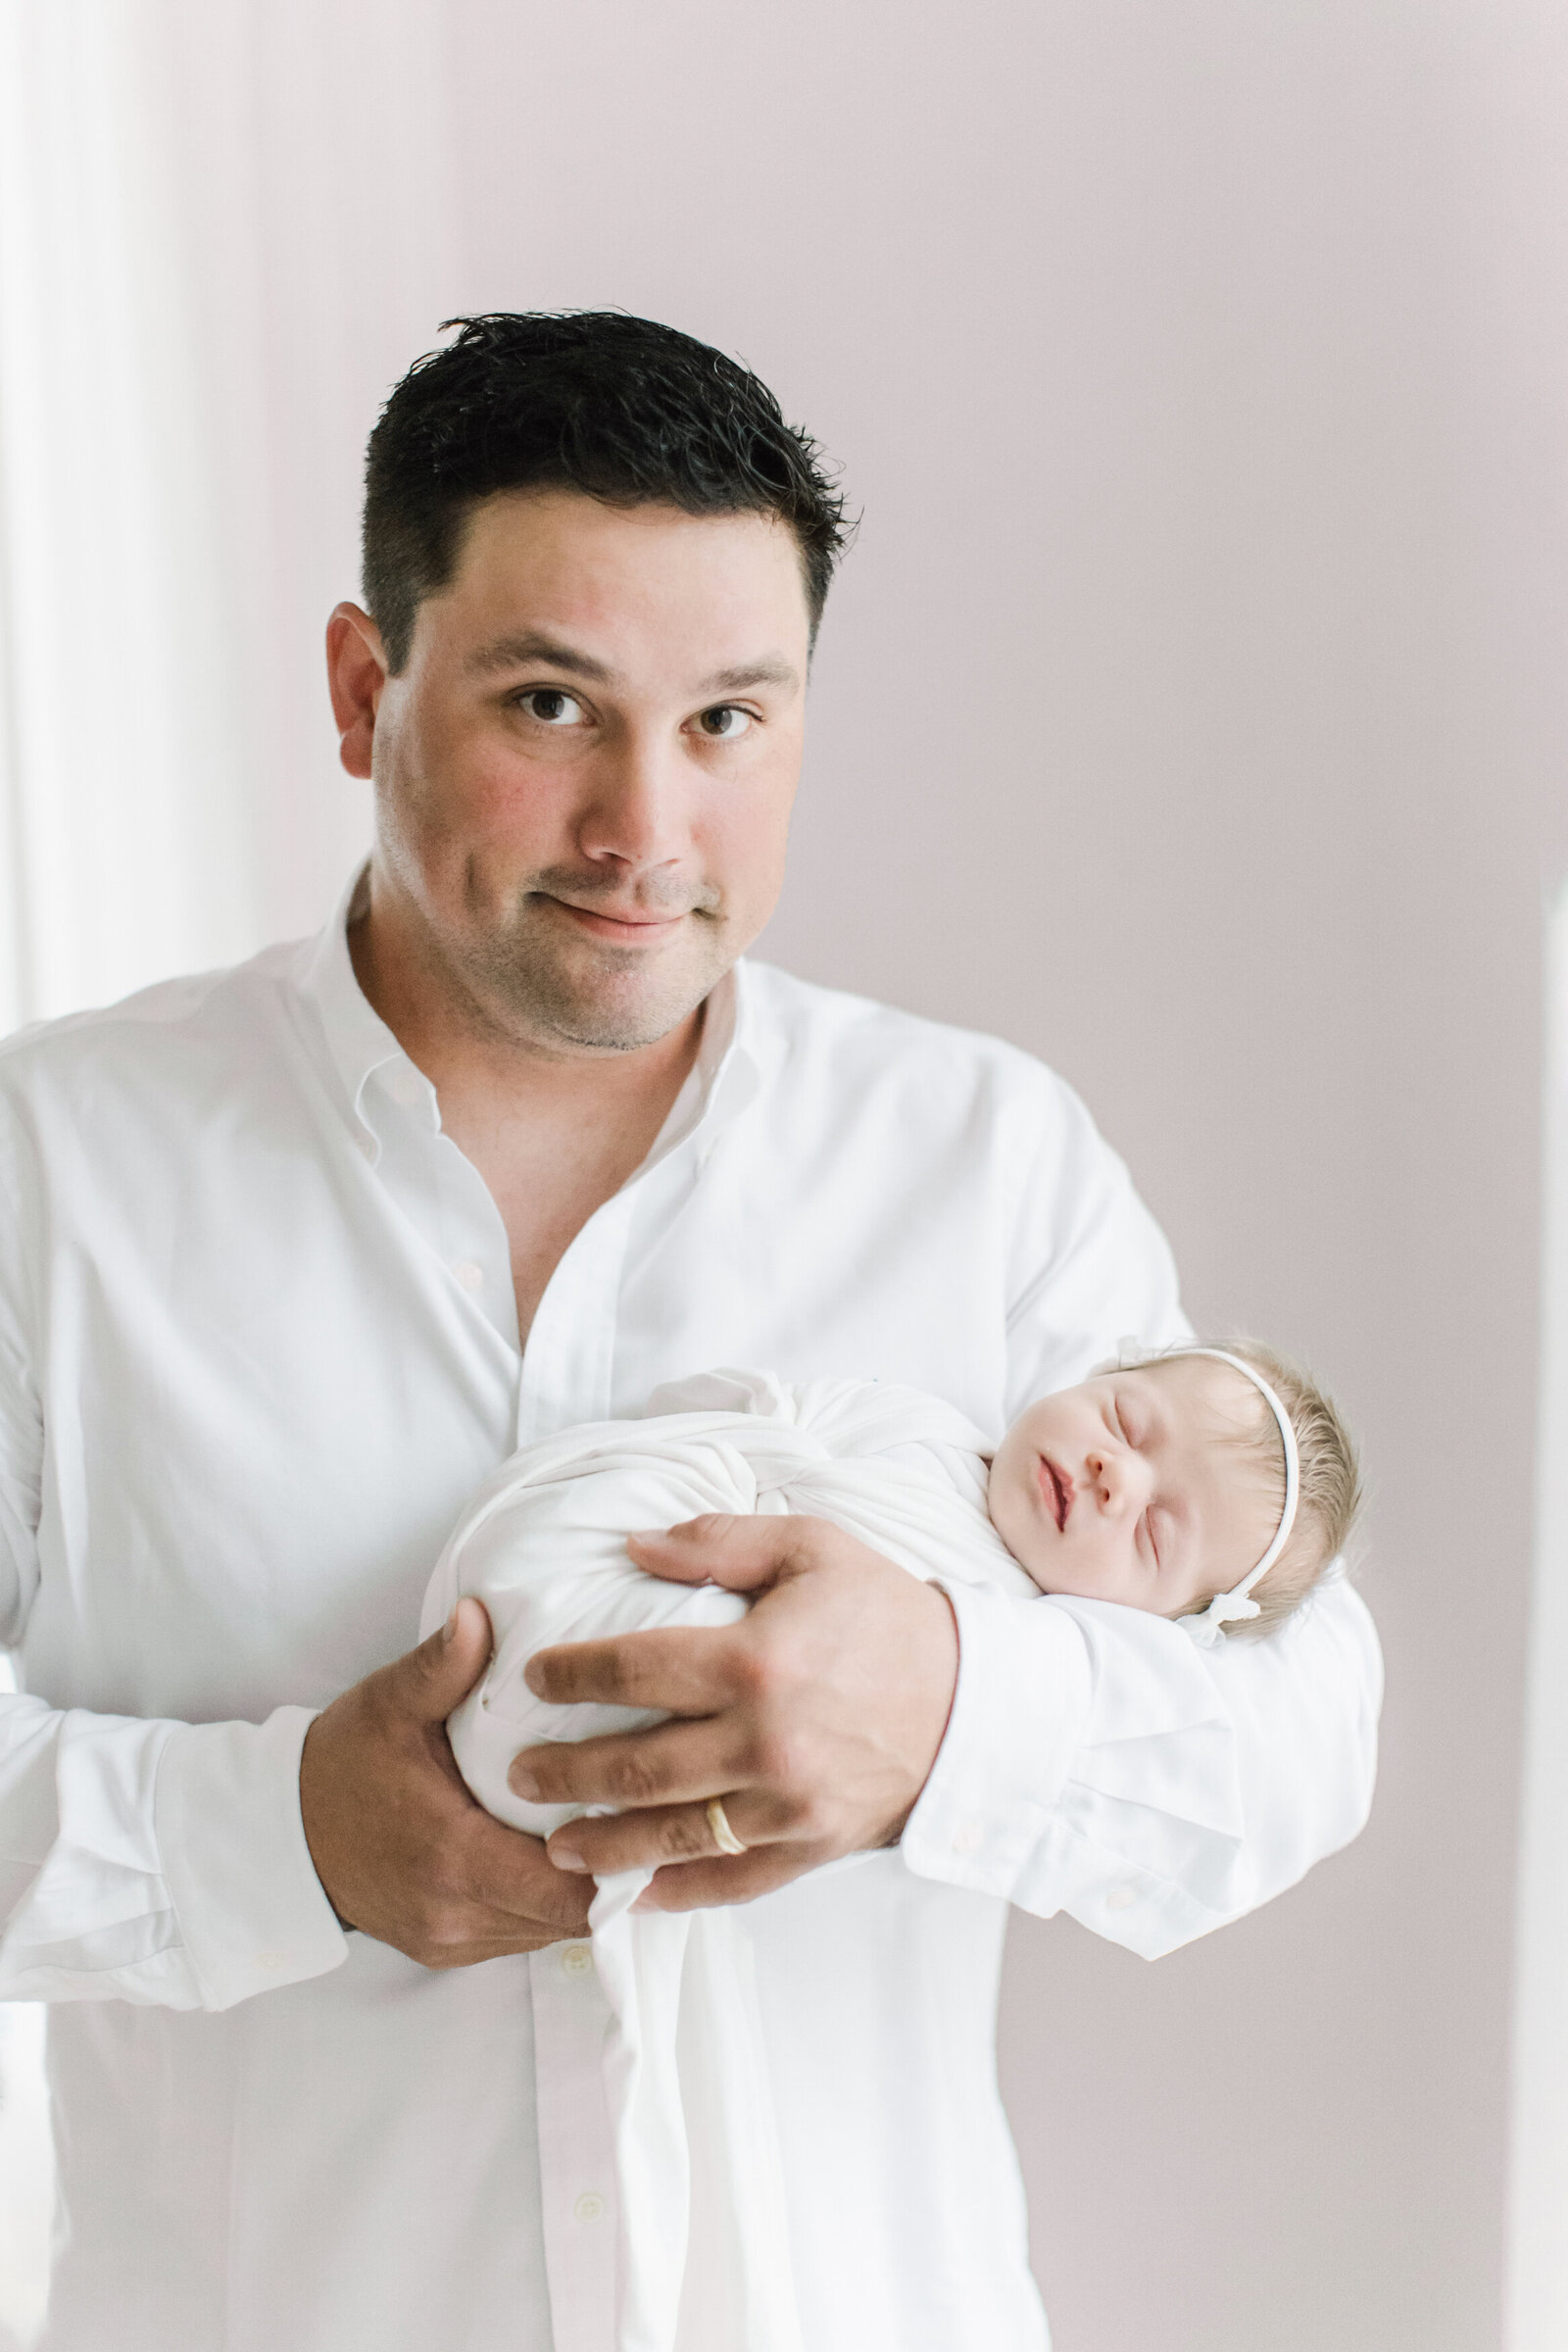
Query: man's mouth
point(1056, 1488)
point(633, 927)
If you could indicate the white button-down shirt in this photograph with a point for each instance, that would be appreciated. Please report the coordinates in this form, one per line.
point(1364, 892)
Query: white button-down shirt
point(258, 1343)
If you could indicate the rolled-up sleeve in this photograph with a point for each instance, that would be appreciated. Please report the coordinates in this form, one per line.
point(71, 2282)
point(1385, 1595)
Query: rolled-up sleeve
point(1098, 1762)
point(155, 1862)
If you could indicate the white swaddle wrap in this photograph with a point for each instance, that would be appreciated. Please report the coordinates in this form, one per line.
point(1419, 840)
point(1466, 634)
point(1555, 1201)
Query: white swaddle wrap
point(543, 1546)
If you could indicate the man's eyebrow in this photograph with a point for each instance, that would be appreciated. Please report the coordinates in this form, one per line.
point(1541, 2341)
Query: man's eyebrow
point(516, 652)
point(771, 670)
point(504, 654)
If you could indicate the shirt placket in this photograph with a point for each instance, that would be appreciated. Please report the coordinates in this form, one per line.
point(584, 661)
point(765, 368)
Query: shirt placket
point(567, 1371)
point(568, 1362)
point(576, 2147)
point(567, 1378)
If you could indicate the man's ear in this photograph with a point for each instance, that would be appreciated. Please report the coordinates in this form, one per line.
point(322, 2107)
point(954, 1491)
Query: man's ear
point(356, 672)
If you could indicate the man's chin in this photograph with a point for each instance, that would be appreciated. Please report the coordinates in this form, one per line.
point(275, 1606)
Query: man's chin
point(592, 1029)
point(604, 1012)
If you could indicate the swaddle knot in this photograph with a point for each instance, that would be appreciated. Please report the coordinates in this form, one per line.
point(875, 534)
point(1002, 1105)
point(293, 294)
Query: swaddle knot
point(788, 1458)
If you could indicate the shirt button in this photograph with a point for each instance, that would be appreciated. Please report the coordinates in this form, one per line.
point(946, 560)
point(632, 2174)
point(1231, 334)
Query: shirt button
point(366, 1143)
point(271, 1961)
point(1122, 1898)
point(404, 1083)
point(576, 1960)
point(967, 1839)
point(467, 1275)
point(590, 2206)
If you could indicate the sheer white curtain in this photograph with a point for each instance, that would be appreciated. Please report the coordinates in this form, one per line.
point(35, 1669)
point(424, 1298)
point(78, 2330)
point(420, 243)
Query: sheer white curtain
point(125, 833)
point(123, 830)
point(1539, 2201)
point(27, 2163)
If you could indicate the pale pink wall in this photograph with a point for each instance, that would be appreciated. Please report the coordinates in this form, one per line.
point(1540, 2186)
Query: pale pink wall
point(1190, 711)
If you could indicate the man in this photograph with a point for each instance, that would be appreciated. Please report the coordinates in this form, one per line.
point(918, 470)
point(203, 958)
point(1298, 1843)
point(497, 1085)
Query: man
point(300, 1252)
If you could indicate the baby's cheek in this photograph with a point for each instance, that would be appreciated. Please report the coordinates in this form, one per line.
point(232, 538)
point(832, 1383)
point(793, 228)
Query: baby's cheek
point(1011, 1522)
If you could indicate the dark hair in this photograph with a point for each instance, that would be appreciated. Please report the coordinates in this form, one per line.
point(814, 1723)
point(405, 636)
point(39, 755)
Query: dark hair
point(621, 408)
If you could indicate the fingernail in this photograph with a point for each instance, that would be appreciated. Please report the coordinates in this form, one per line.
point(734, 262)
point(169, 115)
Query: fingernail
point(450, 1624)
point(647, 1901)
point(525, 1784)
point(566, 1858)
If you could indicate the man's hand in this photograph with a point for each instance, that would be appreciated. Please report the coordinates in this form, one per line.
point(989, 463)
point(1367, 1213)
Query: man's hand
point(816, 1718)
point(399, 1847)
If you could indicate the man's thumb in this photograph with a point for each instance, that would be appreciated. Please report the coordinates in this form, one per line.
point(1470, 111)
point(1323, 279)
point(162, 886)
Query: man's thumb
point(430, 1681)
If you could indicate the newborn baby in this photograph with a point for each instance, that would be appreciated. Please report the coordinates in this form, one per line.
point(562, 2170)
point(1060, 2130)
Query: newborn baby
point(1206, 1484)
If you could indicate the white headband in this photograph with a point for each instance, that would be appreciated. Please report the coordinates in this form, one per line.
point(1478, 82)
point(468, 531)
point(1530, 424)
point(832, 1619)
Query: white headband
point(1207, 1626)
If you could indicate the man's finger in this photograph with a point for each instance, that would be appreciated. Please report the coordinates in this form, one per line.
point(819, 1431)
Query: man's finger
point(737, 1879)
point(648, 1839)
point(427, 1682)
point(741, 1554)
point(673, 1764)
point(682, 1670)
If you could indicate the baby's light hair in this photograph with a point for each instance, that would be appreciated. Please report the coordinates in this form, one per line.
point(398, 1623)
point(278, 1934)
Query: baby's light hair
point(1330, 1490)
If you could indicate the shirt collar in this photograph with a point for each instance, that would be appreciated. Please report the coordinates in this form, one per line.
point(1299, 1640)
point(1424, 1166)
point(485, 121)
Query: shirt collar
point(724, 1076)
point(723, 1079)
point(359, 1042)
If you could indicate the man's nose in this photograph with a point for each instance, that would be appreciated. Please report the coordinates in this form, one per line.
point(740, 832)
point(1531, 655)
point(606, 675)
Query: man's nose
point(636, 813)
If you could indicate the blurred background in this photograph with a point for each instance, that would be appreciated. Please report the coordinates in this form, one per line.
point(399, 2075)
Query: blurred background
point(1191, 712)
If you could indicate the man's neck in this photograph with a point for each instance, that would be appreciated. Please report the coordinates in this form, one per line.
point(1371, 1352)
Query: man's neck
point(554, 1132)
point(480, 1066)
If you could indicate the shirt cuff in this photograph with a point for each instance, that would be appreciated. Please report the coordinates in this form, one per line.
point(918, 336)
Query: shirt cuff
point(252, 1913)
point(1020, 1715)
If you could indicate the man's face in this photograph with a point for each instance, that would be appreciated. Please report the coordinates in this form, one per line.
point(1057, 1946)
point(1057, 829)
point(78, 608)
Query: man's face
point(585, 770)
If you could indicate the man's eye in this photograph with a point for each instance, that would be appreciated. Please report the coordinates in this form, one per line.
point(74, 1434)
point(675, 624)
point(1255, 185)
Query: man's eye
point(550, 706)
point(724, 722)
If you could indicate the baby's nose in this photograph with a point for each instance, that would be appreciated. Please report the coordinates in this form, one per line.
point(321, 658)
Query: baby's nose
point(1123, 1480)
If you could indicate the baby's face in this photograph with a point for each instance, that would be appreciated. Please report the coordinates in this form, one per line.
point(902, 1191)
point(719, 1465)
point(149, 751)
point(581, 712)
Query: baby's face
point(1126, 1489)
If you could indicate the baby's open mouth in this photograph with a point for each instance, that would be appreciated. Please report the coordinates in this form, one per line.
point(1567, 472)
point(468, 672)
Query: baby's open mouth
point(1056, 1488)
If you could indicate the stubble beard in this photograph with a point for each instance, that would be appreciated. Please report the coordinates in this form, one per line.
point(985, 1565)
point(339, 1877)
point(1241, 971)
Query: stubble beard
point(531, 977)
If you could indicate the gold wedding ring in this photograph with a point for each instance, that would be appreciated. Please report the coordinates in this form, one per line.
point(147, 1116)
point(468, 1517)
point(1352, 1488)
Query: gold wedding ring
point(723, 1835)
